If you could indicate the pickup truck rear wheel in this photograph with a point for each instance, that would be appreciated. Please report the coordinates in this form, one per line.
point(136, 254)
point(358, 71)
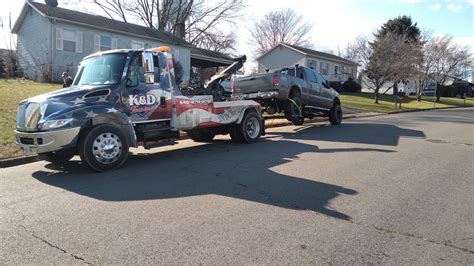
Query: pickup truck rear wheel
point(250, 130)
point(294, 109)
point(335, 114)
point(57, 157)
point(104, 147)
point(201, 135)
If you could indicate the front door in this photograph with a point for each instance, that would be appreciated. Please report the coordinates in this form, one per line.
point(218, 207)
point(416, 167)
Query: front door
point(314, 88)
point(145, 102)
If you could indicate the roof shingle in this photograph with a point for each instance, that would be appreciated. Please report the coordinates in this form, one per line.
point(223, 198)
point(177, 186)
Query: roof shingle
point(108, 24)
point(320, 54)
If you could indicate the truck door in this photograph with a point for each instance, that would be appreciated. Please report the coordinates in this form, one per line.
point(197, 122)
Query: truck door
point(144, 101)
point(314, 88)
point(326, 93)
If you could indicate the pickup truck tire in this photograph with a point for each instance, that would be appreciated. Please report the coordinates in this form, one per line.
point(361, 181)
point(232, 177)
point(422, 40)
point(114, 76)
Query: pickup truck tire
point(293, 109)
point(201, 135)
point(250, 130)
point(57, 157)
point(335, 114)
point(103, 147)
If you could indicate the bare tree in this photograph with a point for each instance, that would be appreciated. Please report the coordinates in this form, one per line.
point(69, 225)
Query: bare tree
point(444, 59)
point(388, 59)
point(114, 8)
point(282, 26)
point(197, 21)
point(359, 51)
point(9, 62)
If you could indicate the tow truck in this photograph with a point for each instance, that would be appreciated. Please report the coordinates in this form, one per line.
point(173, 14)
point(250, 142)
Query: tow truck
point(127, 98)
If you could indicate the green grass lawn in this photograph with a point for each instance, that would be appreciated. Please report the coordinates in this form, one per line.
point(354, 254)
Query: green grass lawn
point(13, 91)
point(365, 101)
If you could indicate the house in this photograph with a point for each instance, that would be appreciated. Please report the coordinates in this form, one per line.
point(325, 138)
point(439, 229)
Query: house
point(332, 67)
point(51, 40)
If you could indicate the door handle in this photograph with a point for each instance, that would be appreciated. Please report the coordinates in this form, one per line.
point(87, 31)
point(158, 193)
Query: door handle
point(162, 102)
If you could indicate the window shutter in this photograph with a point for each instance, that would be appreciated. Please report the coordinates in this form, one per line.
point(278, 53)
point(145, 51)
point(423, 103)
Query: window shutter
point(114, 43)
point(59, 39)
point(96, 42)
point(79, 42)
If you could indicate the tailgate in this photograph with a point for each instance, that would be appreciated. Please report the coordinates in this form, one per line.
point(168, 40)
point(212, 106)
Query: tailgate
point(254, 83)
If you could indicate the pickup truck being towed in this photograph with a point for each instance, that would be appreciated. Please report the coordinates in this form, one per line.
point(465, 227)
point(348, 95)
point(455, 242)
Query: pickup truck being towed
point(121, 99)
point(298, 94)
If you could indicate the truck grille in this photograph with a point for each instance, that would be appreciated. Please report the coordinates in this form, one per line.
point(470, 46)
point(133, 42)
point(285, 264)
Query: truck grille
point(28, 115)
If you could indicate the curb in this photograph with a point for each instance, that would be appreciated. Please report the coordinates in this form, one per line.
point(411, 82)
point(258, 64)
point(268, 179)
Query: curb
point(4, 163)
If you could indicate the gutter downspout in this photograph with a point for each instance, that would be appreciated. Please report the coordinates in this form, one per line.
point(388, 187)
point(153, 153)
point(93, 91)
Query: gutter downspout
point(52, 48)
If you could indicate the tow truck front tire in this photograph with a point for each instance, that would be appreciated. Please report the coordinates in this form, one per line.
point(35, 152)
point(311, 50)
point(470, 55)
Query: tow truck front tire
point(57, 157)
point(250, 130)
point(103, 147)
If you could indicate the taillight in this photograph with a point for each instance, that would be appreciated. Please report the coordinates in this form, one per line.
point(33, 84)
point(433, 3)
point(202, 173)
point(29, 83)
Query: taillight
point(232, 86)
point(276, 80)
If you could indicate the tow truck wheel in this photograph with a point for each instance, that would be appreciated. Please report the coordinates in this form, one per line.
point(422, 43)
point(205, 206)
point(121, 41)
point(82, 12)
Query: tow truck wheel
point(104, 147)
point(200, 135)
point(57, 157)
point(249, 130)
point(335, 114)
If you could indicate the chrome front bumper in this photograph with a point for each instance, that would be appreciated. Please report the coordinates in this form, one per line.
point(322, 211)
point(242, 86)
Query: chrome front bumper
point(41, 142)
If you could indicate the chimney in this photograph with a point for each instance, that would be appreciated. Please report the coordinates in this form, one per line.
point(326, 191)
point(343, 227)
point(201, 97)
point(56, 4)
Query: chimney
point(180, 30)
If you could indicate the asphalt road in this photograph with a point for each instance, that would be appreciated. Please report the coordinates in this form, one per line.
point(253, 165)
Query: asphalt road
point(393, 189)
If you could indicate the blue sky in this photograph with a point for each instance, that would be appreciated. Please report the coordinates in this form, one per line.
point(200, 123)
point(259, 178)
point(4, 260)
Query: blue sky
point(454, 18)
point(338, 22)
point(335, 22)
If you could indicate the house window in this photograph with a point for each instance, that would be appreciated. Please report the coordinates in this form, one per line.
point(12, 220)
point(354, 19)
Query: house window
point(137, 45)
point(336, 70)
point(68, 40)
point(104, 43)
point(324, 68)
point(312, 64)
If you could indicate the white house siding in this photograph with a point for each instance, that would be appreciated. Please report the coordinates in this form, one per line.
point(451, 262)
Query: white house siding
point(68, 61)
point(283, 56)
point(343, 74)
point(367, 86)
point(280, 57)
point(33, 56)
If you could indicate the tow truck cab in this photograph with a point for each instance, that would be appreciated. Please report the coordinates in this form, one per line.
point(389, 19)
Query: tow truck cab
point(126, 98)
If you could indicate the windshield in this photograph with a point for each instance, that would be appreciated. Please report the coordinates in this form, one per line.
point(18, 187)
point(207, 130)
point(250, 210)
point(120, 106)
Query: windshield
point(101, 70)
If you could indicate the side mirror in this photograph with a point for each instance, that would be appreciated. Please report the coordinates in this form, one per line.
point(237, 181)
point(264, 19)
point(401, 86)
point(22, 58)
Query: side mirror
point(325, 84)
point(148, 67)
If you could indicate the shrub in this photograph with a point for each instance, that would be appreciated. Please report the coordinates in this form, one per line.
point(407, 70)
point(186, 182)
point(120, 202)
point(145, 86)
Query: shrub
point(351, 85)
point(337, 85)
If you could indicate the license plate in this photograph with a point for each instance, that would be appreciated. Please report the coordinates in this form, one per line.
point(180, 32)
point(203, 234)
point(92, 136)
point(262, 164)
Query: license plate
point(27, 149)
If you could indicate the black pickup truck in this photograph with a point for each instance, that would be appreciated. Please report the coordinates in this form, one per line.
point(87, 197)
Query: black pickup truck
point(298, 94)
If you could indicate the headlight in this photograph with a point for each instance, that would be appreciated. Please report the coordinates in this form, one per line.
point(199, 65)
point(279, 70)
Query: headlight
point(51, 124)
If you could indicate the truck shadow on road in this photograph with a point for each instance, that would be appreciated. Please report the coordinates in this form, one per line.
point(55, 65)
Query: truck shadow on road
point(244, 172)
point(354, 132)
point(270, 172)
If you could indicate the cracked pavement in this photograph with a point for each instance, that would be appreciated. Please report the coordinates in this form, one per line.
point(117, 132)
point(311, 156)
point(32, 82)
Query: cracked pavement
point(394, 189)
